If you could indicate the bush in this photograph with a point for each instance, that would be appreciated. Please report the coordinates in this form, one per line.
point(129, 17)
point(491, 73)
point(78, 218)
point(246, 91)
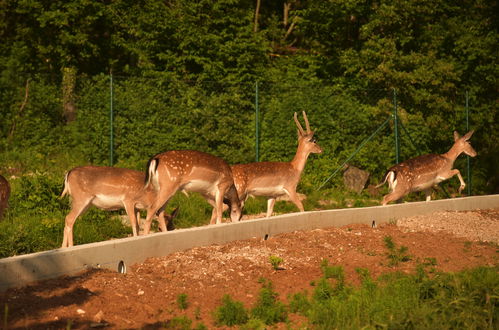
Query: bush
point(231, 312)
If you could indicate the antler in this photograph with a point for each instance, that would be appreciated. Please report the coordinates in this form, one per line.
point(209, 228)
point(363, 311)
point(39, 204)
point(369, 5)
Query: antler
point(300, 129)
point(307, 125)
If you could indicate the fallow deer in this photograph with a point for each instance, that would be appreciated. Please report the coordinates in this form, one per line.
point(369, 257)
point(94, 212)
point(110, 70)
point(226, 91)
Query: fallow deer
point(423, 172)
point(274, 179)
point(109, 188)
point(192, 171)
point(4, 195)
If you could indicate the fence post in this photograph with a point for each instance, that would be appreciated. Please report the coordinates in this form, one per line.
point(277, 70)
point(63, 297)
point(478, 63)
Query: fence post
point(257, 123)
point(468, 172)
point(395, 126)
point(111, 121)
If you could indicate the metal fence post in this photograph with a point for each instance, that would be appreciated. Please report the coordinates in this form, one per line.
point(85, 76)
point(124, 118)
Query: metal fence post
point(395, 126)
point(257, 123)
point(111, 122)
point(468, 173)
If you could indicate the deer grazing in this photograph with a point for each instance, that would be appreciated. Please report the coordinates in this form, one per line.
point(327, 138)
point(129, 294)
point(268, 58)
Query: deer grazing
point(423, 172)
point(109, 188)
point(4, 195)
point(274, 179)
point(192, 171)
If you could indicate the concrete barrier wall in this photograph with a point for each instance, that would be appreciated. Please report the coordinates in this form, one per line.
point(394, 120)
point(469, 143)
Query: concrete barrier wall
point(119, 253)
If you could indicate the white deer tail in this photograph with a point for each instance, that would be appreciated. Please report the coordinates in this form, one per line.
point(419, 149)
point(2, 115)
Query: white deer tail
point(152, 173)
point(390, 176)
point(66, 189)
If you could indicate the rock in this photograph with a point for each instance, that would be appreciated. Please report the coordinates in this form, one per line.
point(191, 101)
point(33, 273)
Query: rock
point(355, 179)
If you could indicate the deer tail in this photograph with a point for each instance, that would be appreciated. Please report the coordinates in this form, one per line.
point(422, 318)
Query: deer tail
point(66, 190)
point(390, 173)
point(151, 172)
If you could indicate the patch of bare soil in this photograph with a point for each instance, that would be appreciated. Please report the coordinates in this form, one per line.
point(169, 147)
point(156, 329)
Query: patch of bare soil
point(146, 297)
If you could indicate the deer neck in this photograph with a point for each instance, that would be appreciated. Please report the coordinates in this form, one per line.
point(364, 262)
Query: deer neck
point(453, 153)
point(300, 158)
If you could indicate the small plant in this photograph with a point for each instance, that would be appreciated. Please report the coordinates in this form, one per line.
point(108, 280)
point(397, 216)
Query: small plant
point(299, 303)
point(182, 301)
point(231, 312)
point(179, 323)
point(396, 255)
point(267, 308)
point(276, 262)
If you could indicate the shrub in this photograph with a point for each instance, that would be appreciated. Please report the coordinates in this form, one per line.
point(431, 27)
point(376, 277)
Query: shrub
point(231, 312)
point(267, 308)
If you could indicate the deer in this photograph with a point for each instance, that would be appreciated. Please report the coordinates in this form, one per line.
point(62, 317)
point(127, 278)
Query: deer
point(192, 171)
point(109, 188)
point(4, 195)
point(275, 179)
point(426, 171)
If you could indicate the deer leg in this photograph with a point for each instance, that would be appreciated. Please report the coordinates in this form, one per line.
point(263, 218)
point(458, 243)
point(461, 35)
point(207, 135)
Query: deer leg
point(130, 211)
point(293, 196)
point(160, 203)
point(76, 210)
point(393, 196)
point(162, 221)
point(456, 172)
point(219, 205)
point(270, 206)
point(427, 193)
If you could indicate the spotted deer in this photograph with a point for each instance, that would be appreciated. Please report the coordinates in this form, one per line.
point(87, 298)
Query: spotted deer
point(109, 188)
point(423, 172)
point(274, 179)
point(192, 171)
point(4, 195)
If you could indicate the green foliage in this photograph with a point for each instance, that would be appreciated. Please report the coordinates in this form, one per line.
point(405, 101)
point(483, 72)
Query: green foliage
point(182, 301)
point(230, 313)
point(408, 301)
point(267, 308)
point(179, 323)
point(276, 262)
point(395, 254)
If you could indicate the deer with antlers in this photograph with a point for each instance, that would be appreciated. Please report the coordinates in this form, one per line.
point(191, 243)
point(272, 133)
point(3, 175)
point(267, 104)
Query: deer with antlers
point(423, 172)
point(4, 195)
point(109, 188)
point(274, 179)
point(192, 171)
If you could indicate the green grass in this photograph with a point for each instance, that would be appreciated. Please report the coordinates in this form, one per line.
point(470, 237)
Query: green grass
point(464, 300)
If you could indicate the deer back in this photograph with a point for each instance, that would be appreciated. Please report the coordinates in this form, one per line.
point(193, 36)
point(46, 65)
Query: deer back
point(264, 178)
point(189, 170)
point(108, 186)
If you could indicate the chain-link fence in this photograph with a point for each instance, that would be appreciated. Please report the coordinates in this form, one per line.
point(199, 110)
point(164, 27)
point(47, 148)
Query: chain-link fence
point(126, 120)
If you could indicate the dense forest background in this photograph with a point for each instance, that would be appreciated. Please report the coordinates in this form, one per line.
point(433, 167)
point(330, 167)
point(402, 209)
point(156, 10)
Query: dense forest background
point(177, 74)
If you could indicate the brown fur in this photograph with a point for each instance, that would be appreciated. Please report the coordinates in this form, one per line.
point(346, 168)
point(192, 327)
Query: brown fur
point(274, 179)
point(423, 172)
point(196, 171)
point(109, 188)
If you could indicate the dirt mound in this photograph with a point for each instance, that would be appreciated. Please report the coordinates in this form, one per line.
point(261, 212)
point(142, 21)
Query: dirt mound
point(147, 295)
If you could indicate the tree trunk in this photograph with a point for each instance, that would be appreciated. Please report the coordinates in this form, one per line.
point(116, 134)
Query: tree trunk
point(257, 13)
point(68, 89)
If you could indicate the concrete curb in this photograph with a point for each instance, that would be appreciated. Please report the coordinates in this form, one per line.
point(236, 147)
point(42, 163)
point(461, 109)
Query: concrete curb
point(117, 254)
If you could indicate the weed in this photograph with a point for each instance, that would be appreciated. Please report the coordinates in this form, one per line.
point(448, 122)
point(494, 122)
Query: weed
point(182, 301)
point(179, 323)
point(231, 312)
point(267, 308)
point(395, 255)
point(276, 262)
point(254, 324)
point(299, 303)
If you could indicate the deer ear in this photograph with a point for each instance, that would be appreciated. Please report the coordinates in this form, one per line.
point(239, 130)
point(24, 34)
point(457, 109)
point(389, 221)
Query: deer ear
point(456, 136)
point(174, 213)
point(468, 135)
